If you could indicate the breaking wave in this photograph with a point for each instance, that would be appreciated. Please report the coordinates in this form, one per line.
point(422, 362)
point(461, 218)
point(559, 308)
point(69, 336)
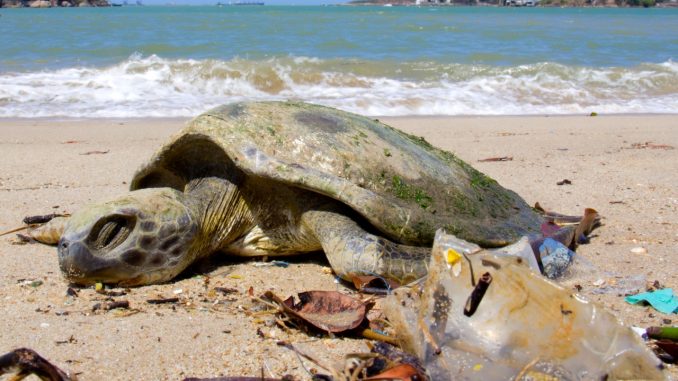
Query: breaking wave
point(153, 86)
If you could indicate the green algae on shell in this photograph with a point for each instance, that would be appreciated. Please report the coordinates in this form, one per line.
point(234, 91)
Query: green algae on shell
point(399, 183)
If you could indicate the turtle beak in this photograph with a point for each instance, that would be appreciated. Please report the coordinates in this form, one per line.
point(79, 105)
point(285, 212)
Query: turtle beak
point(80, 266)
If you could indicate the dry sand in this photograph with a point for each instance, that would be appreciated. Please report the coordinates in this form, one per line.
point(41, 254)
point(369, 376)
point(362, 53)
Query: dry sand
point(45, 168)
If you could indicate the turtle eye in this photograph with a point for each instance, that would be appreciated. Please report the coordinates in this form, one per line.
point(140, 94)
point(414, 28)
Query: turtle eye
point(110, 231)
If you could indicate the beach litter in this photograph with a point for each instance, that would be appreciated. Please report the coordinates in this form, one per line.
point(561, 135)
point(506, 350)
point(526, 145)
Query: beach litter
point(23, 362)
point(522, 326)
point(383, 362)
point(639, 250)
point(124, 304)
point(651, 145)
point(499, 158)
point(662, 300)
point(95, 152)
point(663, 341)
point(659, 333)
point(555, 258)
point(162, 301)
point(282, 264)
point(371, 284)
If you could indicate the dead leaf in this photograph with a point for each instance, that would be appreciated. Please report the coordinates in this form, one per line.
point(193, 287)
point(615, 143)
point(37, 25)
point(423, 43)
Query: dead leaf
point(395, 355)
point(235, 378)
point(590, 221)
point(564, 182)
point(404, 372)
point(329, 311)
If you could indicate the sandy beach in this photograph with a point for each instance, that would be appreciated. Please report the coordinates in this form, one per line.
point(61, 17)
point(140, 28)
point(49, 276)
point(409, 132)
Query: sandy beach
point(624, 166)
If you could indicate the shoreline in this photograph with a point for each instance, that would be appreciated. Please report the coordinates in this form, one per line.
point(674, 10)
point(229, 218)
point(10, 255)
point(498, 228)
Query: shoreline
point(59, 166)
point(140, 119)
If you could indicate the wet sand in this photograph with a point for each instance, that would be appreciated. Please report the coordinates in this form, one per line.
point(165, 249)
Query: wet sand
point(49, 166)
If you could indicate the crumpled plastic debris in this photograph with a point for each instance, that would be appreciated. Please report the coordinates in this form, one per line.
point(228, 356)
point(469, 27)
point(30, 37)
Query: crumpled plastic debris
point(619, 284)
point(487, 317)
point(555, 258)
point(662, 300)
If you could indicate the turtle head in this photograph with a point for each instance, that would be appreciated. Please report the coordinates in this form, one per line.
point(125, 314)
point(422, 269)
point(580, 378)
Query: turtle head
point(143, 237)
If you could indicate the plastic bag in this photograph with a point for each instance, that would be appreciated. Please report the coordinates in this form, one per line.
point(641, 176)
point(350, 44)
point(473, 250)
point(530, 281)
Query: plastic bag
point(488, 317)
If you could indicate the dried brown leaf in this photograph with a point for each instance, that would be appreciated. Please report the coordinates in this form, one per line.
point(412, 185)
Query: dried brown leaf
point(330, 311)
point(404, 372)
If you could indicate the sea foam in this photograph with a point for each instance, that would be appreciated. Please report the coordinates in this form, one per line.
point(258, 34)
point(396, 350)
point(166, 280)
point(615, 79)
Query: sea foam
point(153, 86)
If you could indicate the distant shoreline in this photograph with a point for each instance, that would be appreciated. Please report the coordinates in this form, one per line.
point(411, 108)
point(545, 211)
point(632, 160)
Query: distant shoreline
point(11, 4)
point(521, 3)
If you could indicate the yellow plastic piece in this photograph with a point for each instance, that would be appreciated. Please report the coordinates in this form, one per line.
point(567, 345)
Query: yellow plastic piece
point(454, 261)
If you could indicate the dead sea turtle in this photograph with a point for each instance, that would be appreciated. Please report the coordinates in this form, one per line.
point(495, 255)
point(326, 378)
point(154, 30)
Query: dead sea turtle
point(279, 178)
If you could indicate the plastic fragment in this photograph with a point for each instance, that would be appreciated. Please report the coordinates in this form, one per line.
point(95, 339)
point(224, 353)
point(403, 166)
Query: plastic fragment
point(639, 250)
point(670, 347)
point(454, 261)
point(272, 263)
point(662, 300)
point(373, 284)
point(555, 258)
point(670, 333)
point(642, 332)
point(521, 249)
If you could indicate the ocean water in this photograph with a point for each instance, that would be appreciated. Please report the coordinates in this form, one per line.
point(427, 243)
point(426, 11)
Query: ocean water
point(180, 61)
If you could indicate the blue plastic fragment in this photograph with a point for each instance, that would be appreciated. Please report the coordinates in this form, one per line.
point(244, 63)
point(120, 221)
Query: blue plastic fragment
point(662, 300)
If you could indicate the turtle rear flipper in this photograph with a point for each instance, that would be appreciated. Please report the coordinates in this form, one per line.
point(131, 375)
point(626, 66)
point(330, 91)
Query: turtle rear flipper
point(353, 251)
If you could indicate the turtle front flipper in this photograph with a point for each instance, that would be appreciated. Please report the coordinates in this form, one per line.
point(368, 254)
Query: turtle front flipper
point(50, 232)
point(353, 251)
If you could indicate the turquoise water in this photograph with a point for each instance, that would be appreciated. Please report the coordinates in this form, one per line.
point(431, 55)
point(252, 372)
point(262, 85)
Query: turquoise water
point(179, 61)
